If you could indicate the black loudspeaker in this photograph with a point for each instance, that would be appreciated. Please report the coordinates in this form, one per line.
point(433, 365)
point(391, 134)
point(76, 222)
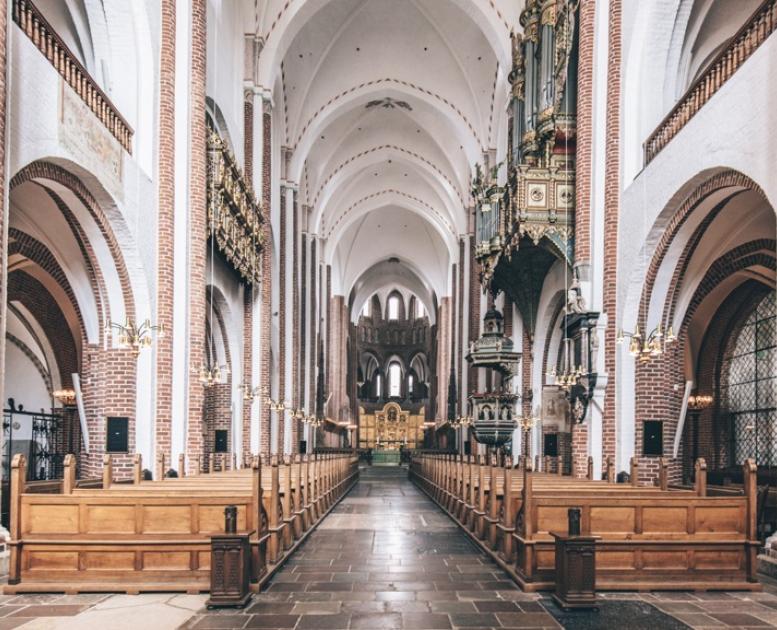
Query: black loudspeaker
point(117, 434)
point(653, 438)
point(551, 444)
point(468, 448)
point(303, 446)
point(222, 436)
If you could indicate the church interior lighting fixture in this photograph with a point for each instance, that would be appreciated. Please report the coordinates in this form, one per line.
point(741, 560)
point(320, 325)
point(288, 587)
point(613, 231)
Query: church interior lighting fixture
point(646, 346)
point(214, 375)
point(697, 402)
point(65, 396)
point(135, 336)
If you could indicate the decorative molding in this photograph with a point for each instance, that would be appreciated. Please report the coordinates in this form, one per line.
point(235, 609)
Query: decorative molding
point(234, 213)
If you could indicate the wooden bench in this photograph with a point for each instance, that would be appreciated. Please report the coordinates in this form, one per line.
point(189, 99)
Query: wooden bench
point(155, 535)
point(649, 537)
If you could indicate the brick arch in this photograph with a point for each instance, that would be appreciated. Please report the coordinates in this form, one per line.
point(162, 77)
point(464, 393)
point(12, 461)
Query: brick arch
point(737, 259)
point(27, 290)
point(656, 397)
point(728, 320)
point(25, 245)
point(724, 179)
point(43, 169)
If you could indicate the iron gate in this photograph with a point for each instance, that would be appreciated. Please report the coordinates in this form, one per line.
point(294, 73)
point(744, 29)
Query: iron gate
point(42, 438)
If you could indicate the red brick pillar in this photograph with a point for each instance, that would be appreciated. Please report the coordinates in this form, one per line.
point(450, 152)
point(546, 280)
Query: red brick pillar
point(248, 290)
point(166, 231)
point(266, 284)
point(296, 399)
point(328, 354)
point(458, 327)
point(611, 211)
point(475, 292)
point(3, 196)
point(313, 329)
point(584, 145)
point(197, 226)
point(282, 315)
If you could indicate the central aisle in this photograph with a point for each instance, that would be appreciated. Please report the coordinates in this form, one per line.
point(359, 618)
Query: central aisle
point(387, 557)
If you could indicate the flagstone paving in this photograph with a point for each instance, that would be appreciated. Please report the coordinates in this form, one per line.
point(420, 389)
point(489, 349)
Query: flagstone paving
point(388, 558)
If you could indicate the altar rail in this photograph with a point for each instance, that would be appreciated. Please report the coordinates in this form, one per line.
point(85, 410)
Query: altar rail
point(649, 537)
point(155, 535)
point(45, 38)
point(743, 44)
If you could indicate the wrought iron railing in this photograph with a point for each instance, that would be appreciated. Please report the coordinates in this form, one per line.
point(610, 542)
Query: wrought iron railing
point(40, 436)
point(44, 37)
point(234, 213)
point(754, 33)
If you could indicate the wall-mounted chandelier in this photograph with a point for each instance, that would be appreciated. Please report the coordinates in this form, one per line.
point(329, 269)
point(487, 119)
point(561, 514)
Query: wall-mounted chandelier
point(697, 402)
point(313, 421)
point(135, 336)
point(215, 375)
point(250, 393)
point(649, 345)
point(65, 396)
point(461, 422)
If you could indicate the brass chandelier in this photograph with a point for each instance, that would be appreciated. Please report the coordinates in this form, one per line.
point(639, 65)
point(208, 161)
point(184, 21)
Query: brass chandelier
point(215, 375)
point(646, 347)
point(135, 336)
point(461, 422)
point(697, 402)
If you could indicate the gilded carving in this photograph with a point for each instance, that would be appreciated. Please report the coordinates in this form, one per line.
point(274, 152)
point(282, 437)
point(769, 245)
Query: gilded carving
point(234, 213)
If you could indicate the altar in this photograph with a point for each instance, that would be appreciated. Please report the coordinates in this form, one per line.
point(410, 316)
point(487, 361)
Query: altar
point(390, 429)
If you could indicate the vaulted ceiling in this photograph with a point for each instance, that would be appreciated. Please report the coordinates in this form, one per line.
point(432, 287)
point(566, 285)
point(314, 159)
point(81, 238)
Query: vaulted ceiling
point(386, 106)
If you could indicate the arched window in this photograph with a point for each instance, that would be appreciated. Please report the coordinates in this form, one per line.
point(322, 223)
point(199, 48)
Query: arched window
point(748, 386)
point(378, 385)
point(420, 311)
point(410, 384)
point(393, 307)
point(366, 309)
point(394, 380)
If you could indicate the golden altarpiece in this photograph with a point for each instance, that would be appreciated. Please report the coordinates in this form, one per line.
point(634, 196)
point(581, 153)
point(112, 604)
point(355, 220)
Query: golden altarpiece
point(391, 428)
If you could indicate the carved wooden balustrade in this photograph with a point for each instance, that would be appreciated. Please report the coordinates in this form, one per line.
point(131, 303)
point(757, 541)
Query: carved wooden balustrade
point(754, 33)
point(43, 36)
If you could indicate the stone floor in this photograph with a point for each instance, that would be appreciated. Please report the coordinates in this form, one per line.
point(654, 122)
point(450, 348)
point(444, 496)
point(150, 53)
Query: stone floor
point(387, 557)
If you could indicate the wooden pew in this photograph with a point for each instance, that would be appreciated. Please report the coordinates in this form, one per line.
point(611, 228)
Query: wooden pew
point(155, 535)
point(651, 537)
